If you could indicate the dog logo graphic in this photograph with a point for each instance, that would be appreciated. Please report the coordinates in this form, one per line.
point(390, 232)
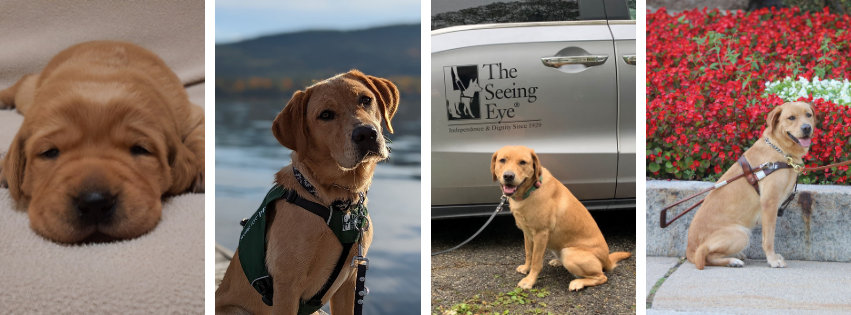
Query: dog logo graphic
point(462, 92)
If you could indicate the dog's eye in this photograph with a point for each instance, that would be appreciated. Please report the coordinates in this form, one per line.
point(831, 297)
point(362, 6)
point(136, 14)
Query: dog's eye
point(50, 154)
point(365, 100)
point(522, 162)
point(791, 117)
point(326, 115)
point(139, 150)
point(809, 115)
point(501, 160)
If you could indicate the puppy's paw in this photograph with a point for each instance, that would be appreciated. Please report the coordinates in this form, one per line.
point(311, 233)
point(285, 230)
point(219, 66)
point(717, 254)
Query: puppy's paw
point(526, 283)
point(740, 256)
point(575, 285)
point(777, 261)
point(523, 269)
point(736, 263)
point(198, 184)
point(555, 263)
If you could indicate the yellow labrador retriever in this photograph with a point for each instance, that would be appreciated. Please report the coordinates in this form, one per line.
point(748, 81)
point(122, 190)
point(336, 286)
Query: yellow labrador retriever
point(334, 130)
point(551, 218)
point(721, 227)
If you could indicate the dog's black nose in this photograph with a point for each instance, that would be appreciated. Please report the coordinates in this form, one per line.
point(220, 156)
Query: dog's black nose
point(97, 206)
point(508, 176)
point(807, 129)
point(365, 137)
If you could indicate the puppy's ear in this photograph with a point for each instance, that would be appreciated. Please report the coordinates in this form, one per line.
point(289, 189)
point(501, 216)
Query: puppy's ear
point(773, 118)
point(536, 164)
point(493, 165)
point(13, 168)
point(290, 126)
point(386, 92)
point(183, 164)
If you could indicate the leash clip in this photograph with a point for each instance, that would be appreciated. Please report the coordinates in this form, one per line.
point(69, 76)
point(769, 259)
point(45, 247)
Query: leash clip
point(795, 167)
point(359, 257)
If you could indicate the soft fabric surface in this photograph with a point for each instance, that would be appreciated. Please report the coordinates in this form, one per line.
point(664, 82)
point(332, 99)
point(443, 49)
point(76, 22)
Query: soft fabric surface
point(161, 272)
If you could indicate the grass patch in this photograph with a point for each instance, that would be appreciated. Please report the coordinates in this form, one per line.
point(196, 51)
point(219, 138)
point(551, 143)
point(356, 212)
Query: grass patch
point(662, 280)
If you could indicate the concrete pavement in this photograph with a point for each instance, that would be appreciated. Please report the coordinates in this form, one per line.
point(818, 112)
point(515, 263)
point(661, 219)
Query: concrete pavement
point(804, 287)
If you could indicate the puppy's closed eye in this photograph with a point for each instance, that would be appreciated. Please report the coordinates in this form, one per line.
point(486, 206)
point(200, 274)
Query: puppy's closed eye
point(50, 154)
point(139, 150)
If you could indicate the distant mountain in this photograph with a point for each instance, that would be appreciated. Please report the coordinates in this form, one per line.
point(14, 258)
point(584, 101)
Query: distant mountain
point(381, 51)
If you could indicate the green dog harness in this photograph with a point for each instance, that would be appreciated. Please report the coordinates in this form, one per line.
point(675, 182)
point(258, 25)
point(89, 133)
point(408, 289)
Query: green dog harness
point(346, 225)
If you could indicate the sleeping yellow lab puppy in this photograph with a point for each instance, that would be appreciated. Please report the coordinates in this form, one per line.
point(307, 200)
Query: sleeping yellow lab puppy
point(334, 128)
point(108, 131)
point(551, 219)
point(721, 227)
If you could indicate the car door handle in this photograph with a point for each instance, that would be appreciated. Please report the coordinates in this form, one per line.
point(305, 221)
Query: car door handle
point(588, 60)
point(629, 59)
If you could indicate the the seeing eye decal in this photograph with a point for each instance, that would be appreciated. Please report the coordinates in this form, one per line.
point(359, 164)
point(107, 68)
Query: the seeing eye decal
point(326, 115)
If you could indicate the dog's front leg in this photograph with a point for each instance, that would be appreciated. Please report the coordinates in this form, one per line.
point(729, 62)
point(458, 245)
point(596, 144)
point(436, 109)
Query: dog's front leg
point(528, 245)
point(343, 301)
point(539, 248)
point(285, 299)
point(769, 203)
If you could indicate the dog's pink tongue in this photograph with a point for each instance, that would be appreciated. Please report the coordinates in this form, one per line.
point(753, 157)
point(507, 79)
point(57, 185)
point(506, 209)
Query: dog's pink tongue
point(805, 142)
point(509, 189)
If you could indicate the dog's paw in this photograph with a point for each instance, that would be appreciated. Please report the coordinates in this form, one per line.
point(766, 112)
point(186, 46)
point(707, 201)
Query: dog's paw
point(777, 261)
point(740, 255)
point(523, 269)
point(555, 263)
point(736, 263)
point(198, 184)
point(575, 285)
point(526, 283)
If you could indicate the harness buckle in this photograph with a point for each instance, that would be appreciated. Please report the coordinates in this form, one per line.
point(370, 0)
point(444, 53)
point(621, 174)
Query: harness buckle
point(796, 167)
point(357, 259)
point(290, 195)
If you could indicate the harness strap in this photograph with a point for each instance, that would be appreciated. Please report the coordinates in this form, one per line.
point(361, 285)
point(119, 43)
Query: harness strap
point(315, 302)
point(758, 173)
point(323, 212)
point(749, 175)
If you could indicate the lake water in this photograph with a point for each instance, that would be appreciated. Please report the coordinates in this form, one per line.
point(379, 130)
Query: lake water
point(248, 156)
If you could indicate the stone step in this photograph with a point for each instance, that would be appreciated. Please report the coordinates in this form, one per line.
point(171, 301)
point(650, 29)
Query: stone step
point(816, 226)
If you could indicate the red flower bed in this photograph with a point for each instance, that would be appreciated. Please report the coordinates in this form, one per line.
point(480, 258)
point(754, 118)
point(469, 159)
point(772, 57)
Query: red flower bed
point(706, 72)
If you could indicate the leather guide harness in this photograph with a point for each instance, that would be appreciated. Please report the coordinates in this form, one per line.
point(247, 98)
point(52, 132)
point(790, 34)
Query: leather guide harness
point(348, 222)
point(753, 176)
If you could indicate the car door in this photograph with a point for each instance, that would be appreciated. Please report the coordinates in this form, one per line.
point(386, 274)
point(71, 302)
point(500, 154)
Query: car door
point(623, 32)
point(537, 73)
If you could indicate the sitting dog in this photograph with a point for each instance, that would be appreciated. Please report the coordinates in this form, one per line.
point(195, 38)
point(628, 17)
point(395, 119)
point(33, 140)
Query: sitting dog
point(721, 227)
point(108, 131)
point(334, 129)
point(551, 218)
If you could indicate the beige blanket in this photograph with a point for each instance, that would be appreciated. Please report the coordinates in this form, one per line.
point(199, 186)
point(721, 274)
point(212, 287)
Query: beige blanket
point(161, 272)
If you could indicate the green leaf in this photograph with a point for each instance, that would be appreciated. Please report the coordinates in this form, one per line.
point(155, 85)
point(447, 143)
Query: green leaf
point(653, 167)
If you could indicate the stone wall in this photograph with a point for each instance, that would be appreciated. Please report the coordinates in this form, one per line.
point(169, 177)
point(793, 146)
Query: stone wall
point(816, 225)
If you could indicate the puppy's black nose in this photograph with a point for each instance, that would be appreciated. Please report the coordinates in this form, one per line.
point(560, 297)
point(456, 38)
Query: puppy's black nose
point(97, 206)
point(508, 176)
point(365, 137)
point(807, 129)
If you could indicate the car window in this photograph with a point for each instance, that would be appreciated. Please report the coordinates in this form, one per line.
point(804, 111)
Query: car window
point(631, 5)
point(447, 13)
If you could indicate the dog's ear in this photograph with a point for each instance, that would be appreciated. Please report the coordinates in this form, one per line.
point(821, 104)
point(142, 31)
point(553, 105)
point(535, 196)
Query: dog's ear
point(385, 91)
point(13, 168)
point(773, 118)
point(290, 126)
point(183, 164)
point(536, 164)
point(493, 165)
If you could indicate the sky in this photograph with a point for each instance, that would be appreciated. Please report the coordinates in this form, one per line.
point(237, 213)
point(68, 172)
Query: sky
point(238, 20)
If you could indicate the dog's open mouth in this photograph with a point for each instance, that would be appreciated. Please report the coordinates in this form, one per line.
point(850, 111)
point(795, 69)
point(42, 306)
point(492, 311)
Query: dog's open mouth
point(804, 142)
point(509, 190)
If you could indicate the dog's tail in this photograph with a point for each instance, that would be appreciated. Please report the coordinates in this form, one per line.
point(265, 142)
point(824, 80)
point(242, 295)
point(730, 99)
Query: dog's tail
point(614, 258)
point(700, 256)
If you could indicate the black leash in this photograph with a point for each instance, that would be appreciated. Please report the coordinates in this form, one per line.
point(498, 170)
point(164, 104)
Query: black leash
point(498, 209)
